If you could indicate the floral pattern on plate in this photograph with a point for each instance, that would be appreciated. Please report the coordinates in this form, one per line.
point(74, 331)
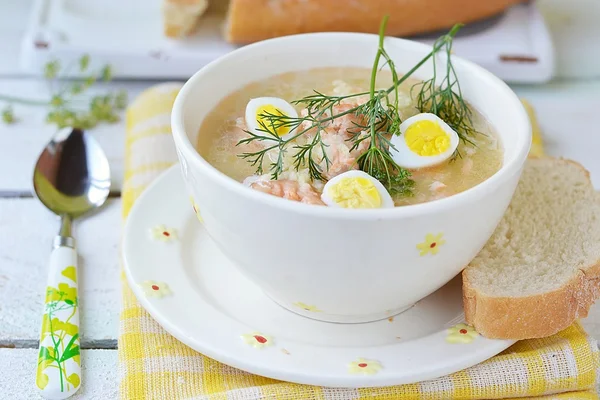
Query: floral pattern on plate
point(431, 245)
point(163, 233)
point(166, 203)
point(155, 289)
point(461, 333)
point(257, 340)
point(307, 307)
point(196, 209)
point(364, 367)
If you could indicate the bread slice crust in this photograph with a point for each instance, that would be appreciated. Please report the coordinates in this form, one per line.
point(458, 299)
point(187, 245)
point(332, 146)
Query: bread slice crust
point(533, 316)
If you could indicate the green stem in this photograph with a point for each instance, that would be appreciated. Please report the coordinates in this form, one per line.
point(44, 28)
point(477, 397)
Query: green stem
point(315, 124)
point(371, 92)
point(404, 77)
point(375, 69)
point(56, 353)
point(64, 333)
point(63, 368)
point(378, 55)
point(281, 144)
point(413, 69)
point(12, 99)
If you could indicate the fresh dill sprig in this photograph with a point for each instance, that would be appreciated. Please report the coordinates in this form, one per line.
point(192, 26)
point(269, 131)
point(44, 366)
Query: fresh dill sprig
point(67, 104)
point(445, 100)
point(382, 122)
point(310, 154)
point(8, 115)
point(271, 141)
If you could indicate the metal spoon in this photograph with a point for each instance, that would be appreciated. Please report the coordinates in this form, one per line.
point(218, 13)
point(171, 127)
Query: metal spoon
point(71, 177)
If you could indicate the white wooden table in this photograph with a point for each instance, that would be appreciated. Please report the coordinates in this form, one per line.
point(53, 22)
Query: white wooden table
point(568, 110)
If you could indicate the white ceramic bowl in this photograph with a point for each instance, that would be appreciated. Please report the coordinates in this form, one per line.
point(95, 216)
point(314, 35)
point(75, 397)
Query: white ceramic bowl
point(337, 264)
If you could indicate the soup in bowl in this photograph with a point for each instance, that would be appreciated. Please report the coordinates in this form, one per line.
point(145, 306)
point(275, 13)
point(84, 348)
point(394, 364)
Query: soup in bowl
point(224, 134)
point(345, 192)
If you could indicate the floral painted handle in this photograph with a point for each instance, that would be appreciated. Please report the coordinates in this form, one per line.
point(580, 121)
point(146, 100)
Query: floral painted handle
point(59, 366)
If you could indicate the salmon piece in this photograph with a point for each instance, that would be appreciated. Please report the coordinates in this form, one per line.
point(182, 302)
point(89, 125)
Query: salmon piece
point(437, 186)
point(338, 138)
point(238, 132)
point(439, 190)
point(305, 124)
point(340, 155)
point(289, 189)
point(349, 124)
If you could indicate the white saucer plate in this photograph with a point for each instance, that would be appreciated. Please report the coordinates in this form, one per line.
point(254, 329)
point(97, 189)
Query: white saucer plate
point(184, 281)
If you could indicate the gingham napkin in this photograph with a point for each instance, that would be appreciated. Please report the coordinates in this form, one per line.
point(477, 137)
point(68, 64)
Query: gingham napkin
point(154, 365)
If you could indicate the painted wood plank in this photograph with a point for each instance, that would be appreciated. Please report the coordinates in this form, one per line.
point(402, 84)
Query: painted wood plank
point(23, 141)
point(568, 115)
point(26, 233)
point(99, 380)
point(13, 20)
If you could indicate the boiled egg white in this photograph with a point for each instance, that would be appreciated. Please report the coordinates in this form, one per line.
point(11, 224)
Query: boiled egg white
point(425, 140)
point(356, 189)
point(268, 105)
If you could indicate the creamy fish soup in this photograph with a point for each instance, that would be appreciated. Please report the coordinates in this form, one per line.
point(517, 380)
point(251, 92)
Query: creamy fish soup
point(342, 146)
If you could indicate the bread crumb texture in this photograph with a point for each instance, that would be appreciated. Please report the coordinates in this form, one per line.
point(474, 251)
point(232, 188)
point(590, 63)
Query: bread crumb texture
point(549, 232)
point(539, 271)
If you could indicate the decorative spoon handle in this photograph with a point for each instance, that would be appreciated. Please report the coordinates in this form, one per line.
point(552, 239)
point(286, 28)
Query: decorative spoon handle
point(59, 366)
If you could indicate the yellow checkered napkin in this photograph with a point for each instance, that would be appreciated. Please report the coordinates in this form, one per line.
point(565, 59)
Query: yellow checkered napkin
point(154, 365)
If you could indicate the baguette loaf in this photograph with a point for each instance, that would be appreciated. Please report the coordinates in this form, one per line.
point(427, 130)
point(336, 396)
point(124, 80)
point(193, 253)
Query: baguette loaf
point(181, 16)
point(540, 271)
point(254, 20)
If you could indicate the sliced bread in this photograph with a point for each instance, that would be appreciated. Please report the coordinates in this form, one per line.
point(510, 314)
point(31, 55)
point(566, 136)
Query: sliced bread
point(540, 271)
point(180, 17)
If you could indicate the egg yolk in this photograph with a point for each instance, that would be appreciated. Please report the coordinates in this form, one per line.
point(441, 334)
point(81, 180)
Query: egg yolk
point(355, 192)
point(270, 109)
point(426, 138)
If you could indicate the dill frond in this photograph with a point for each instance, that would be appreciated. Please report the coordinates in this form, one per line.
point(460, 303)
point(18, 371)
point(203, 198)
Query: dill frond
point(446, 100)
point(382, 122)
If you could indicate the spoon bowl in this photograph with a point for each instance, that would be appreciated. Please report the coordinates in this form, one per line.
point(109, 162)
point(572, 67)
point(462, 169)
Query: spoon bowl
point(72, 175)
